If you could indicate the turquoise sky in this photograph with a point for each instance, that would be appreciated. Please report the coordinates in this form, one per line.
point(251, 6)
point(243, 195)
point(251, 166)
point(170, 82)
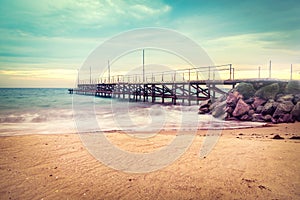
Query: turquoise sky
point(43, 43)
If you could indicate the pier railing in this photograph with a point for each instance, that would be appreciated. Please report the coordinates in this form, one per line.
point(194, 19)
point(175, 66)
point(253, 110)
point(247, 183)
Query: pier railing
point(220, 72)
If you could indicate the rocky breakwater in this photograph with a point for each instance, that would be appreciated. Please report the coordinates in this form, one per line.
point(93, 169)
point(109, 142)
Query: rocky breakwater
point(259, 102)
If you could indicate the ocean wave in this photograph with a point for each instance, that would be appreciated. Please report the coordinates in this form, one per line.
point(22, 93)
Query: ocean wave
point(111, 116)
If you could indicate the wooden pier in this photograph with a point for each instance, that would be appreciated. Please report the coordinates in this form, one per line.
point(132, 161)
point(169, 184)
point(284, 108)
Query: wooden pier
point(166, 93)
point(189, 90)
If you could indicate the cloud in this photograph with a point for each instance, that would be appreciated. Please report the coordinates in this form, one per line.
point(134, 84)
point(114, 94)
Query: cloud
point(248, 51)
point(77, 18)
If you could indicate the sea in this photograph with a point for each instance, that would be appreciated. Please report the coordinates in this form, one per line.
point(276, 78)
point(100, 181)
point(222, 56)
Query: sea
point(54, 111)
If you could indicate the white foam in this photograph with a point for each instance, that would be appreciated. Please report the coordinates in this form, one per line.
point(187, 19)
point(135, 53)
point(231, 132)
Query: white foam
point(128, 117)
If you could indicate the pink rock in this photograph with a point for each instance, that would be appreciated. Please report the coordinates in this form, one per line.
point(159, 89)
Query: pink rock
point(241, 108)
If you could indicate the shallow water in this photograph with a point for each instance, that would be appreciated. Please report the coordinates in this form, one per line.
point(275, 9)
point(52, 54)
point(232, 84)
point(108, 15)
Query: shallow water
point(54, 111)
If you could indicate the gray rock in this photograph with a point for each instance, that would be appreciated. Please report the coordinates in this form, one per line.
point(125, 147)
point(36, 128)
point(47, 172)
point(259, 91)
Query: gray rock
point(283, 108)
point(268, 92)
point(241, 108)
point(214, 105)
point(217, 102)
point(219, 110)
point(296, 112)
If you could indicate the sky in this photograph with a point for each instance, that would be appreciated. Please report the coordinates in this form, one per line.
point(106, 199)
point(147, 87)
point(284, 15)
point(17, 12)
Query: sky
point(43, 43)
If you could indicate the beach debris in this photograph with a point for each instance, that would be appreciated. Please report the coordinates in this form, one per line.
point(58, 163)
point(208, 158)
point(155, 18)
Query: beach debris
point(295, 138)
point(256, 102)
point(248, 180)
point(278, 137)
point(262, 187)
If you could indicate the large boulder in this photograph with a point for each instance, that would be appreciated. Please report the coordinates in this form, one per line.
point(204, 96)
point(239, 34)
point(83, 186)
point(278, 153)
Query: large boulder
point(241, 108)
point(296, 112)
point(268, 92)
point(283, 108)
point(293, 87)
point(219, 110)
point(269, 108)
point(245, 89)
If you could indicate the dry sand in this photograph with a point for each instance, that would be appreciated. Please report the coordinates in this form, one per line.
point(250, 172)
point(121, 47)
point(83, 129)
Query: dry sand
point(245, 164)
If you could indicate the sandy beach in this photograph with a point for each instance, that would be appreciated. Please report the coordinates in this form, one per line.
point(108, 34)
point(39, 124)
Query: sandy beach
point(245, 164)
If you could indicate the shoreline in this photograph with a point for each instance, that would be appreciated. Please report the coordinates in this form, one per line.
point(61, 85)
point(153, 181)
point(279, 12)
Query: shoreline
point(225, 124)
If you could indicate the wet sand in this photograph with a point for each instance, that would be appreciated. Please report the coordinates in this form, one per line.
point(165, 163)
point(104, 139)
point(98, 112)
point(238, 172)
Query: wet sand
point(245, 164)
